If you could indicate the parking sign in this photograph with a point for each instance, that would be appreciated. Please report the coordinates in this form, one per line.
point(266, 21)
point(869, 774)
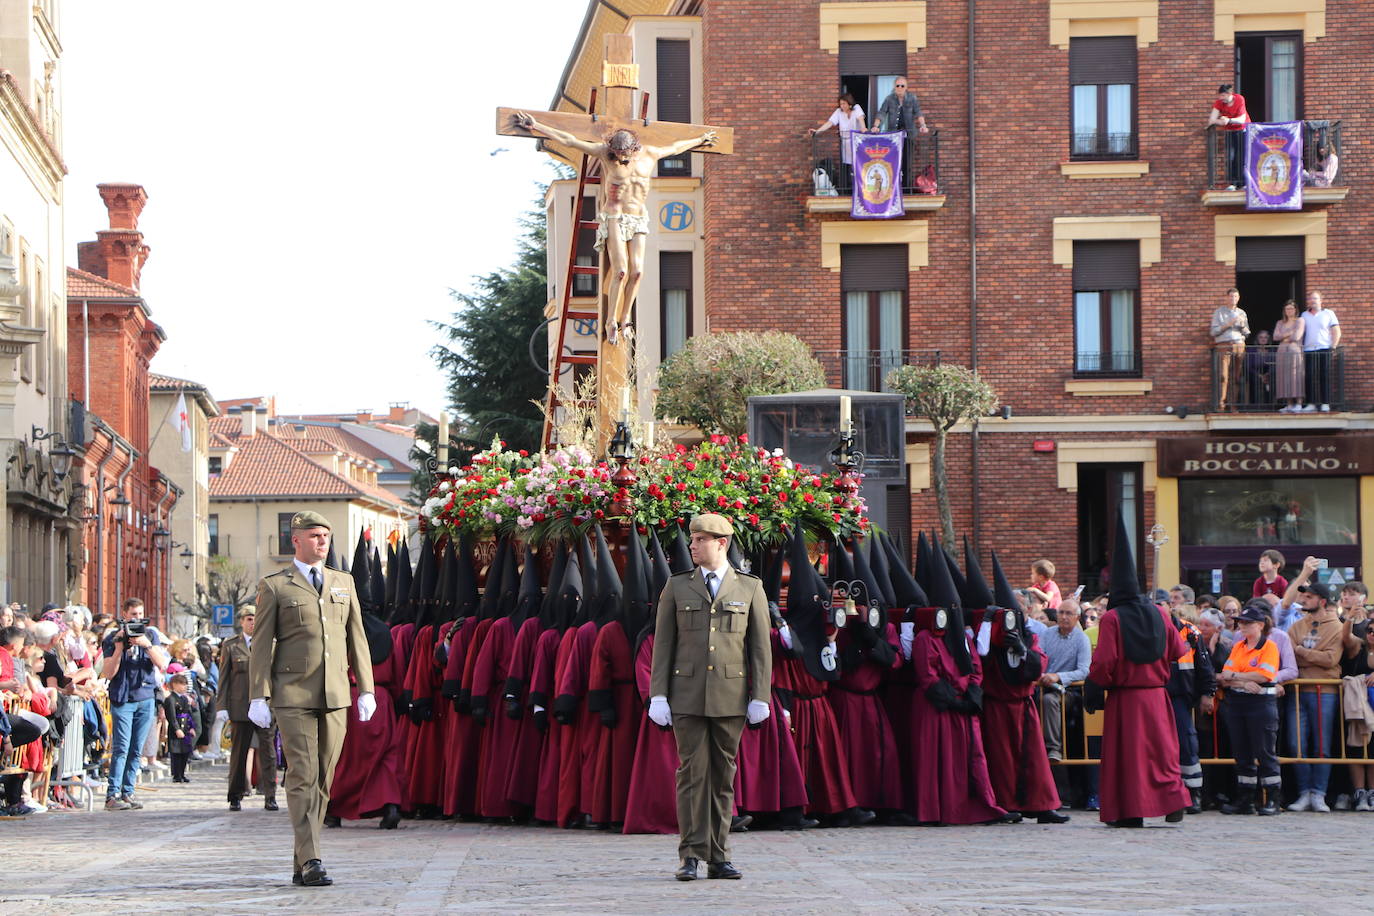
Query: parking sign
point(223, 615)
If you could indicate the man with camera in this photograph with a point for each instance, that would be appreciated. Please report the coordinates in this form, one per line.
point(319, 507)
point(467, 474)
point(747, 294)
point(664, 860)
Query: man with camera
point(132, 661)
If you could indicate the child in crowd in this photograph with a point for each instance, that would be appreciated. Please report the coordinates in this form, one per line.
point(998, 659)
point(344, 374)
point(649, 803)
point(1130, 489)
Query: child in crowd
point(1042, 577)
point(1269, 581)
point(181, 726)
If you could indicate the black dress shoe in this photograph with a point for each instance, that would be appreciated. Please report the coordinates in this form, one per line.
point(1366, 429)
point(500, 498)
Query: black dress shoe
point(1127, 822)
point(1173, 817)
point(313, 874)
point(235, 805)
point(687, 871)
point(740, 823)
point(1011, 817)
point(332, 820)
point(391, 816)
point(1051, 817)
point(722, 870)
point(899, 819)
point(270, 805)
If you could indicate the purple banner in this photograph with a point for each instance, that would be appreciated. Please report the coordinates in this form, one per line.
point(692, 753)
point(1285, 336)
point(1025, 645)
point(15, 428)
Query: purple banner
point(1273, 166)
point(877, 175)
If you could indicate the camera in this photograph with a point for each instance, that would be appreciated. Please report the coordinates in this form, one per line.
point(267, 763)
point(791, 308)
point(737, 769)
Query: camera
point(132, 629)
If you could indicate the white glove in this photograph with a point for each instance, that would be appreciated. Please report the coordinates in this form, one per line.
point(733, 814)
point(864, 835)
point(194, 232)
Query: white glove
point(259, 713)
point(367, 705)
point(908, 637)
point(222, 716)
point(757, 712)
point(659, 713)
point(984, 638)
point(785, 636)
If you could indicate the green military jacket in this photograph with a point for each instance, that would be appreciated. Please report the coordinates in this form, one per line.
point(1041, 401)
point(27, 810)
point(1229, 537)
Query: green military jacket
point(304, 642)
point(233, 679)
point(712, 657)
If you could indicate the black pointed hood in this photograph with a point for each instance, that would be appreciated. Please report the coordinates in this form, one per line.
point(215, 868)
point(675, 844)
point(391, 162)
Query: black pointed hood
point(548, 608)
point(772, 577)
point(1003, 596)
point(1143, 636)
point(403, 610)
point(637, 608)
point(610, 591)
point(944, 594)
point(878, 561)
point(393, 570)
point(422, 583)
point(468, 599)
point(377, 579)
point(660, 571)
point(529, 597)
point(734, 557)
point(904, 586)
point(586, 560)
point(571, 602)
point(807, 613)
point(923, 563)
point(443, 591)
point(361, 572)
point(955, 574)
point(977, 595)
point(331, 559)
point(510, 581)
point(491, 590)
point(841, 565)
point(679, 554)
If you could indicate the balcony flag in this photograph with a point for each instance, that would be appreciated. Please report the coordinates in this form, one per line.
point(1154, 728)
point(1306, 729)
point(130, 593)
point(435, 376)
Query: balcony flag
point(1273, 166)
point(877, 175)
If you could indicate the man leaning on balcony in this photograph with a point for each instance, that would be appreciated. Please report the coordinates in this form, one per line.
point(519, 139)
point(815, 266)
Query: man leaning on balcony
point(1230, 327)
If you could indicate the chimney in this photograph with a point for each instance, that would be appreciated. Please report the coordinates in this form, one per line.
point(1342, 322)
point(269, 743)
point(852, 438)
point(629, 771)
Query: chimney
point(364, 415)
point(398, 411)
point(118, 253)
point(260, 420)
point(249, 420)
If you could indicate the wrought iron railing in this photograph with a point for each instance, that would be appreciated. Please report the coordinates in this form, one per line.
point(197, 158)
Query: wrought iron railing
point(920, 164)
point(1111, 364)
point(1317, 135)
point(1102, 145)
point(1320, 377)
point(867, 370)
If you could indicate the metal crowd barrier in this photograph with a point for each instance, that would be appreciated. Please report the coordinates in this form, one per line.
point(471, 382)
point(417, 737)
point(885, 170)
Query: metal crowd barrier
point(1076, 744)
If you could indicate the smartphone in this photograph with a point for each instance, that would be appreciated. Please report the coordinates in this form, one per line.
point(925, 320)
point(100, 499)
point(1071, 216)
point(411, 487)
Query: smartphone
point(1322, 563)
point(1078, 592)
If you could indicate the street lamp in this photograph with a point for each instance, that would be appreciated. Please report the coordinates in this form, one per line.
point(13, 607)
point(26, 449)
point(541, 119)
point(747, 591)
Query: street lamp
point(187, 556)
point(61, 456)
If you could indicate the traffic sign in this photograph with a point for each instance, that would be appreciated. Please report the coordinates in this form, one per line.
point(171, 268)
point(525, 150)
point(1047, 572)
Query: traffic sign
point(223, 615)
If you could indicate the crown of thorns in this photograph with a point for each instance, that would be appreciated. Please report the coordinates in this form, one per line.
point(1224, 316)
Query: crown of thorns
point(625, 141)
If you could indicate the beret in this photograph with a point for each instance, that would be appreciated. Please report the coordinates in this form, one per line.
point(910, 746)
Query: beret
point(711, 523)
point(309, 520)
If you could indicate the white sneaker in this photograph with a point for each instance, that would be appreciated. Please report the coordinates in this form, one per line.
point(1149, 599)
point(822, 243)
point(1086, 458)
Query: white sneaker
point(1326, 408)
point(1342, 802)
point(1304, 803)
point(1307, 408)
point(1286, 409)
point(1363, 801)
point(1318, 803)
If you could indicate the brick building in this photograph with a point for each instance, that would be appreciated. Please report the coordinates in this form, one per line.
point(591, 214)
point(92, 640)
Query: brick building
point(1082, 283)
point(128, 502)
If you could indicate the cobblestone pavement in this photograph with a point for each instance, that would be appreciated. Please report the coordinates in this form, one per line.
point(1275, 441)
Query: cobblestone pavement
point(186, 853)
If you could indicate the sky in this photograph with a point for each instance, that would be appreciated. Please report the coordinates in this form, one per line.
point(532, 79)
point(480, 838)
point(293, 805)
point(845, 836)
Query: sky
point(320, 173)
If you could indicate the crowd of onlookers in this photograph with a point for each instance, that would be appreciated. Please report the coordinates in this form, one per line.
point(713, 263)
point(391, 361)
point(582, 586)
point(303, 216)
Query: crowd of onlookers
point(89, 697)
point(1290, 369)
point(1321, 631)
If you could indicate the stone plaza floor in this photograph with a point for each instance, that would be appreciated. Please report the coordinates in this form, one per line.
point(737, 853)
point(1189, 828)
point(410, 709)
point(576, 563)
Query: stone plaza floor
point(187, 853)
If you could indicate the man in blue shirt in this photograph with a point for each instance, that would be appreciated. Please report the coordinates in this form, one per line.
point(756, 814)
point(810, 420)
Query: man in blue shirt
point(132, 664)
point(1068, 654)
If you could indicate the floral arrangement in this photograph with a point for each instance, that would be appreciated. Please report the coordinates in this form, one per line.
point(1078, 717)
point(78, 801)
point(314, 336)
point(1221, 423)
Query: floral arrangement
point(556, 494)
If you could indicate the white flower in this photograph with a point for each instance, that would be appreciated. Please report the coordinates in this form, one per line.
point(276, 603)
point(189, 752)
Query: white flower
point(444, 485)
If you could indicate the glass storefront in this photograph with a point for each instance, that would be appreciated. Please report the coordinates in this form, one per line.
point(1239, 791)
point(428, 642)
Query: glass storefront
point(1269, 511)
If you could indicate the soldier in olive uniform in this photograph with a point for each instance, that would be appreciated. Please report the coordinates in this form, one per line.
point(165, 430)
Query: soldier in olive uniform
point(309, 633)
point(712, 669)
point(232, 701)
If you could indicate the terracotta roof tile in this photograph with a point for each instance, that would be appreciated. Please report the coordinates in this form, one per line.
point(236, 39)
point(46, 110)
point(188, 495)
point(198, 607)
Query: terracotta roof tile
point(84, 285)
point(270, 465)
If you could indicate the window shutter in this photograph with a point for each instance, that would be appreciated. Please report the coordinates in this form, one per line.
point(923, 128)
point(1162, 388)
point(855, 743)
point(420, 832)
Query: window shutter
point(872, 58)
point(1106, 265)
point(674, 270)
point(674, 80)
point(866, 268)
point(1104, 61)
point(1281, 253)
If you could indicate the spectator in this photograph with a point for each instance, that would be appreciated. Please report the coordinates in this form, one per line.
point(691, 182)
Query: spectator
point(1211, 627)
point(1318, 647)
point(1328, 163)
point(131, 661)
point(1229, 608)
point(1288, 376)
point(900, 111)
point(1229, 115)
point(1042, 577)
point(1203, 603)
point(1037, 606)
point(78, 621)
point(1180, 595)
point(847, 118)
point(1259, 373)
point(1249, 677)
point(1217, 640)
point(1269, 581)
point(1068, 655)
point(101, 622)
point(1230, 327)
point(1361, 664)
point(183, 719)
point(1321, 336)
point(1192, 682)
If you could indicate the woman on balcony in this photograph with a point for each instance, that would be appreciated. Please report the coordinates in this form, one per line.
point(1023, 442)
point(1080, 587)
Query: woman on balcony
point(1288, 381)
point(847, 118)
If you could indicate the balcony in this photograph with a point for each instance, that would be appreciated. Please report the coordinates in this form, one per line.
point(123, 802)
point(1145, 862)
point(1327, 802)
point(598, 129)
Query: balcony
point(1317, 189)
point(1095, 364)
point(920, 174)
point(1351, 381)
point(866, 370)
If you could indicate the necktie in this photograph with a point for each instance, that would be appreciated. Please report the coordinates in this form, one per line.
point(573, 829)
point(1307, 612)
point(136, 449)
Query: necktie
point(711, 583)
point(315, 580)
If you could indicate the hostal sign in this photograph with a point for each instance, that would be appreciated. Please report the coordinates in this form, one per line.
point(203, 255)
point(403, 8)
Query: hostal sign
point(1289, 456)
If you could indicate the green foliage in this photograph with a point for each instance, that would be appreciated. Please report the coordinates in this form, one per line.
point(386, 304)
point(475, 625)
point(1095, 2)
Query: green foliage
point(492, 383)
point(709, 381)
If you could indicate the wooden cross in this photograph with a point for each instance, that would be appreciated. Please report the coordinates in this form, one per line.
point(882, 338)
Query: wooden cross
point(620, 78)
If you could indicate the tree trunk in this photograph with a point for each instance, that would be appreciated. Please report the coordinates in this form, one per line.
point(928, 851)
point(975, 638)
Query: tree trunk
point(937, 473)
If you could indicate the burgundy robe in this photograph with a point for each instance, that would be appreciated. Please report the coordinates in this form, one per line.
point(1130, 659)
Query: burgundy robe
point(768, 773)
point(522, 782)
point(456, 725)
point(551, 655)
point(424, 748)
point(1018, 764)
point(866, 736)
point(950, 771)
point(652, 804)
point(611, 682)
point(500, 733)
point(898, 686)
point(824, 768)
point(1140, 774)
point(371, 764)
point(465, 739)
point(579, 741)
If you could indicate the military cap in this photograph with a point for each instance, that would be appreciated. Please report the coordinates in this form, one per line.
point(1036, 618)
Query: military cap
point(309, 520)
point(248, 610)
point(711, 523)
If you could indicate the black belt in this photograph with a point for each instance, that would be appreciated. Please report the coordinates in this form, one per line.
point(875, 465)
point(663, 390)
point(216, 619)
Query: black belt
point(862, 693)
point(808, 696)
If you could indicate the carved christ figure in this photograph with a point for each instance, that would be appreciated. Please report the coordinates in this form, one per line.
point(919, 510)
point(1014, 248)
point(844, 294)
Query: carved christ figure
point(621, 205)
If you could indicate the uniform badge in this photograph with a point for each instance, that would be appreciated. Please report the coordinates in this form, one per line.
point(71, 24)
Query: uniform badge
point(828, 657)
point(339, 592)
point(839, 617)
point(875, 616)
point(941, 619)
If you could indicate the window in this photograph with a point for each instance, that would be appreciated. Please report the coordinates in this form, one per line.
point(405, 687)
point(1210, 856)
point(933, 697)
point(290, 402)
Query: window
point(216, 465)
point(674, 301)
point(674, 57)
point(868, 70)
point(585, 284)
point(1106, 284)
point(284, 546)
point(1269, 75)
point(873, 283)
point(1268, 511)
point(212, 525)
point(1102, 78)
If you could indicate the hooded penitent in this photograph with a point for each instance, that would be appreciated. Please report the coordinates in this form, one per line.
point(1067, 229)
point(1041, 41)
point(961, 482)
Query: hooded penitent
point(679, 554)
point(491, 591)
point(905, 589)
point(976, 595)
point(945, 595)
point(529, 597)
point(422, 585)
point(361, 570)
point(1010, 638)
point(808, 613)
point(878, 561)
point(638, 605)
point(379, 585)
point(923, 563)
point(378, 633)
point(402, 610)
point(393, 569)
point(1143, 637)
point(609, 590)
point(548, 608)
point(660, 571)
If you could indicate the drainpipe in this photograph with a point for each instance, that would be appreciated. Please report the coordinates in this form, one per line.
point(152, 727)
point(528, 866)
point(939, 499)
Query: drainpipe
point(100, 522)
point(970, 87)
point(119, 487)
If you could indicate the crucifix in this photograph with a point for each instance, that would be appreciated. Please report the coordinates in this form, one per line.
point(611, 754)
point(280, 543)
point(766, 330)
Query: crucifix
point(628, 150)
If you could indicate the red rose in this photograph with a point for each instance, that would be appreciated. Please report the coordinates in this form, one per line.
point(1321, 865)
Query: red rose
point(744, 437)
point(753, 520)
point(599, 514)
point(690, 465)
point(708, 483)
point(836, 516)
point(524, 453)
point(722, 501)
point(808, 497)
point(539, 516)
point(782, 497)
point(679, 486)
point(551, 499)
point(737, 504)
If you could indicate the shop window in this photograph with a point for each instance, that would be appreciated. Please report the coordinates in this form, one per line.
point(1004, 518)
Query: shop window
point(873, 282)
point(1106, 314)
point(1102, 78)
point(1269, 512)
